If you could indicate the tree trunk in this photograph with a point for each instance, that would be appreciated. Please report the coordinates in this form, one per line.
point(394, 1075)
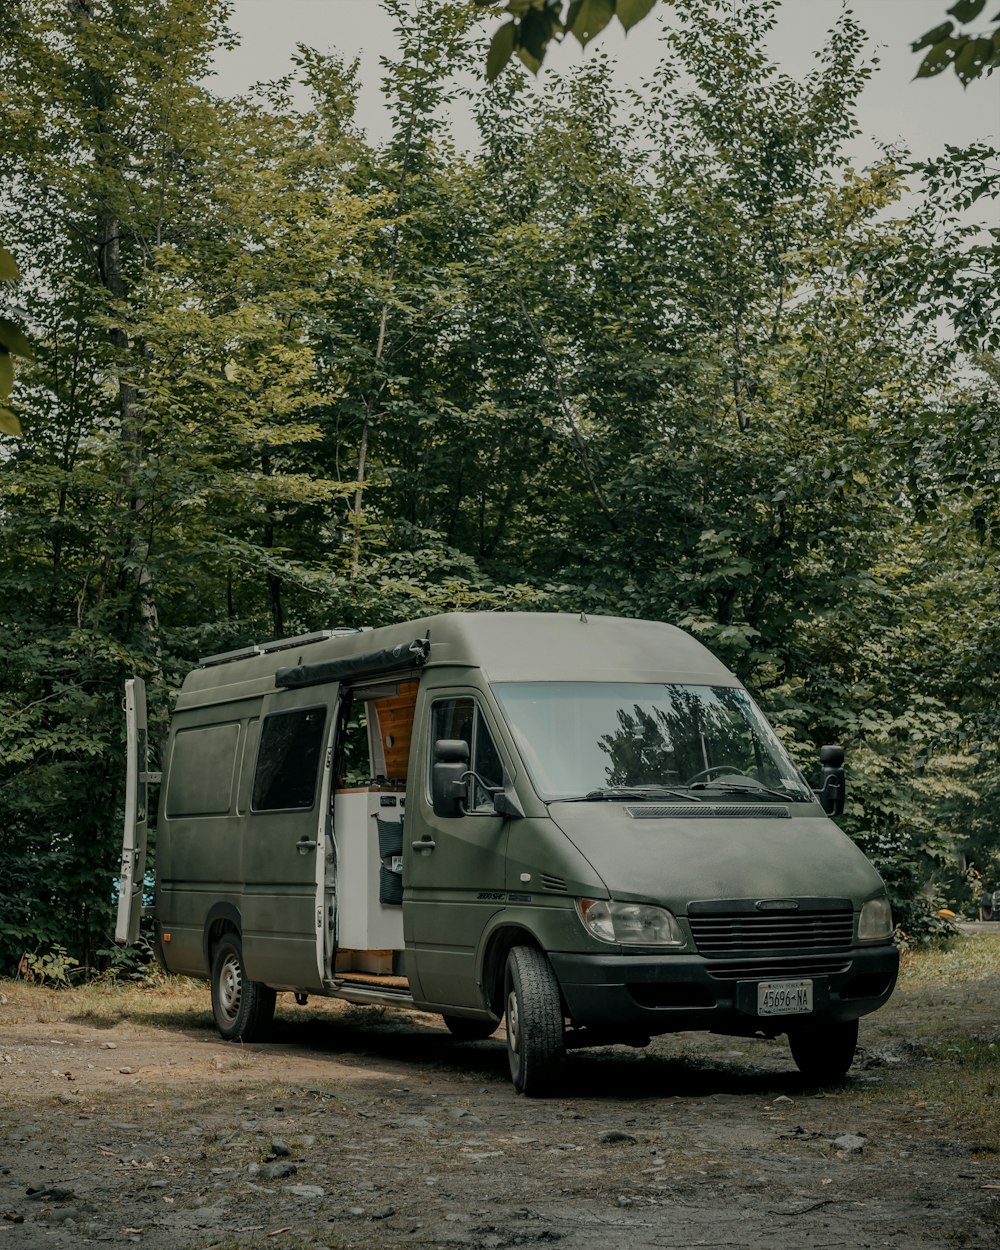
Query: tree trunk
point(134, 572)
point(136, 528)
point(274, 582)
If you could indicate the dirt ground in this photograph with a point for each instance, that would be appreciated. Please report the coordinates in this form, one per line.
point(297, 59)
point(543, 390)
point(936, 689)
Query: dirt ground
point(125, 1120)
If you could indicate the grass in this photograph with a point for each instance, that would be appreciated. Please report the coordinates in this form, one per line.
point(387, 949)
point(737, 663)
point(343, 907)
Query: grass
point(179, 1002)
point(949, 1020)
point(170, 1003)
point(963, 960)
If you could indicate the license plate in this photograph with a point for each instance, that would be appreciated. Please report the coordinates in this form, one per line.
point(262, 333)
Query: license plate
point(784, 998)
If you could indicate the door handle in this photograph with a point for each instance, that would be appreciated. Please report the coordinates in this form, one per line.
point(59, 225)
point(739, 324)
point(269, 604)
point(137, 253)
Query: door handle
point(304, 844)
point(426, 844)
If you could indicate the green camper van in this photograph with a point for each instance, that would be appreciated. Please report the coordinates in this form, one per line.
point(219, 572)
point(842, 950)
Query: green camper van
point(580, 826)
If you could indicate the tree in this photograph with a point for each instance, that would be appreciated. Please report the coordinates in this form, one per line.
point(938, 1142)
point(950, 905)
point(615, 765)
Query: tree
point(174, 243)
point(727, 335)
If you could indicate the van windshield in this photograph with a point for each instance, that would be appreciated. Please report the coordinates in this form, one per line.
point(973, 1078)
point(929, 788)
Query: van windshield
point(596, 739)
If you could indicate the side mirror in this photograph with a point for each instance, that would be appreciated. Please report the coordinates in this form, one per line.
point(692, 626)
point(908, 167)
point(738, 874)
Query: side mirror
point(448, 786)
point(833, 781)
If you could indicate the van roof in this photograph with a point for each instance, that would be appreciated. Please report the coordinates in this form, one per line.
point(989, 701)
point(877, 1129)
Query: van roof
point(507, 646)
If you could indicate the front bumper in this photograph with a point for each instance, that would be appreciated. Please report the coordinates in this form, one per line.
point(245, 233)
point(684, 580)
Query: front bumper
point(648, 994)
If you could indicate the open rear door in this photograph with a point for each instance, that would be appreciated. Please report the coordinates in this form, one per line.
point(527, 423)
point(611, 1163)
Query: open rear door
point(137, 779)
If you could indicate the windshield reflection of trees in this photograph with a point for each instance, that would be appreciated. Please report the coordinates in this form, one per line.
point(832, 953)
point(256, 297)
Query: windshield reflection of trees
point(669, 743)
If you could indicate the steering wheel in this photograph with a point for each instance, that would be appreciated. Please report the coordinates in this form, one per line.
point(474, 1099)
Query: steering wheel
point(716, 768)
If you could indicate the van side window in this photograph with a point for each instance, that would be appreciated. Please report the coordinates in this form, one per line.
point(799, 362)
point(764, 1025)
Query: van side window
point(291, 744)
point(202, 768)
point(461, 718)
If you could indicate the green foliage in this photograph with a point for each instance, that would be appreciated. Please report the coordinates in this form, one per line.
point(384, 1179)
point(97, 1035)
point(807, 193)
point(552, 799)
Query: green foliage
point(670, 358)
point(52, 967)
point(131, 964)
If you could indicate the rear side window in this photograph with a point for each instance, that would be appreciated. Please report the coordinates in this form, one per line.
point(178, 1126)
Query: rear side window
point(291, 744)
point(202, 767)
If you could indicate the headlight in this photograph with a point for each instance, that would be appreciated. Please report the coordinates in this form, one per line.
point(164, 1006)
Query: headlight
point(632, 924)
point(875, 920)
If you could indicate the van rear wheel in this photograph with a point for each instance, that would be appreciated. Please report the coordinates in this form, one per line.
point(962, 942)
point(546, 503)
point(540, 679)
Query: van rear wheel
point(243, 1009)
point(823, 1050)
point(536, 1042)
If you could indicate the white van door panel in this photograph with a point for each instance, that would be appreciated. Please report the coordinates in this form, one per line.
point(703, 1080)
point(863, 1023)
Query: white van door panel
point(131, 883)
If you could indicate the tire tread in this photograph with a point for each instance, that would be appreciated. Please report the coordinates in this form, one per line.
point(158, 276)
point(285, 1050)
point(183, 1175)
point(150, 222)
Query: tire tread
point(542, 1034)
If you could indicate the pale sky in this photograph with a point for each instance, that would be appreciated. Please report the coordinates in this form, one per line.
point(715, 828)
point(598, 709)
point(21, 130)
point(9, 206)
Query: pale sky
point(923, 114)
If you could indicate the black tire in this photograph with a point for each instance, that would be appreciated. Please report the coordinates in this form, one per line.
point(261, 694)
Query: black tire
point(823, 1050)
point(243, 1009)
point(536, 1044)
point(465, 1029)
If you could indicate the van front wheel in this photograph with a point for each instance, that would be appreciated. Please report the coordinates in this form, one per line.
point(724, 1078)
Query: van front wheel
point(823, 1050)
point(243, 1009)
point(536, 1042)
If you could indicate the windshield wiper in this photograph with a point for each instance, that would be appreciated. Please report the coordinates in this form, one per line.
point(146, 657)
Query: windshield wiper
point(743, 787)
point(638, 792)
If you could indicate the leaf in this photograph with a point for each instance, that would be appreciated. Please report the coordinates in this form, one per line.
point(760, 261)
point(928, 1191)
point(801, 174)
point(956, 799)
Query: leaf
point(967, 10)
point(501, 50)
point(6, 374)
point(529, 59)
point(972, 57)
point(9, 271)
point(14, 341)
point(933, 37)
point(9, 424)
point(632, 11)
point(537, 28)
point(590, 18)
point(939, 58)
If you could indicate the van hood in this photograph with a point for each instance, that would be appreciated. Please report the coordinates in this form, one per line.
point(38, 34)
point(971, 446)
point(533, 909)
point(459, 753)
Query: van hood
point(677, 860)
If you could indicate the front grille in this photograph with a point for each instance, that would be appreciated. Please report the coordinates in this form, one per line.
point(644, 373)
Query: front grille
point(766, 969)
point(718, 935)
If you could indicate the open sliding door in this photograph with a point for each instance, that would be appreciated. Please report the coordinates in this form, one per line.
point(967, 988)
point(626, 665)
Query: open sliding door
point(285, 839)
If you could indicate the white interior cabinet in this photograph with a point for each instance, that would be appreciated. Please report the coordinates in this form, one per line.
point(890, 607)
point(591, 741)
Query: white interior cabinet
point(363, 922)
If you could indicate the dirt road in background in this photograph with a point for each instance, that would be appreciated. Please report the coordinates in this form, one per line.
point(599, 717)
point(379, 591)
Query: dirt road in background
point(125, 1120)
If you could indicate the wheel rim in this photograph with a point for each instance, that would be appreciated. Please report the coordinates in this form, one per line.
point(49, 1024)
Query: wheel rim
point(230, 987)
point(513, 1026)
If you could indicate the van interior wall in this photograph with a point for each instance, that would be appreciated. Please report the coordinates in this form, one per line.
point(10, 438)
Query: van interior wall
point(390, 730)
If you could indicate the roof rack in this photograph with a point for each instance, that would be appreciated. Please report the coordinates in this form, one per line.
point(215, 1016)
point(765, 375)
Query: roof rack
point(279, 644)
